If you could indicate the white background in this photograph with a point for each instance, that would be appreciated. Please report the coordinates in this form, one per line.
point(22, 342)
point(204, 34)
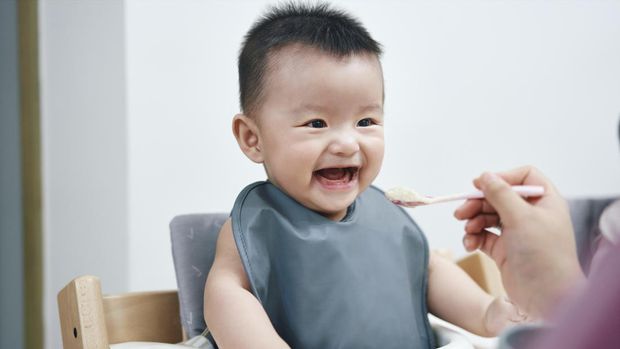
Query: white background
point(152, 88)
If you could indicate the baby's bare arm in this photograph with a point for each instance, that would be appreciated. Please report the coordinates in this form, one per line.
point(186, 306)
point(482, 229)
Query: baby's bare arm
point(234, 316)
point(456, 298)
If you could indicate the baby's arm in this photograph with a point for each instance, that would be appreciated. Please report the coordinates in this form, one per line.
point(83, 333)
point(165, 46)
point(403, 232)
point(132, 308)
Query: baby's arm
point(235, 317)
point(456, 298)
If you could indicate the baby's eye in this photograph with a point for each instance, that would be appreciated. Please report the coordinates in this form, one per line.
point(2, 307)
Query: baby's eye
point(365, 122)
point(317, 123)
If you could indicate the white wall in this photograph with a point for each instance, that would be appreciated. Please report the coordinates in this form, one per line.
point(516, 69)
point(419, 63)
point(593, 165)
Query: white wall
point(83, 126)
point(470, 86)
point(138, 97)
point(182, 94)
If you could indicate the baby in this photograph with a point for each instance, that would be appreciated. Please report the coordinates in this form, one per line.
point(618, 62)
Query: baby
point(315, 257)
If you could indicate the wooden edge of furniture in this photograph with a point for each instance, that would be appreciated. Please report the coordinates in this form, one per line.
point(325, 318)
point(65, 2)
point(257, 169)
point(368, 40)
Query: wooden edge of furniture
point(483, 270)
point(82, 319)
point(89, 320)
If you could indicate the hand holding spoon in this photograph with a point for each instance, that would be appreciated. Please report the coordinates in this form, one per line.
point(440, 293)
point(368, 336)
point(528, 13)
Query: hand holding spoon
point(410, 198)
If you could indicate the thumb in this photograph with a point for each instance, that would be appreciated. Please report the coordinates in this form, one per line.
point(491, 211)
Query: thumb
point(500, 195)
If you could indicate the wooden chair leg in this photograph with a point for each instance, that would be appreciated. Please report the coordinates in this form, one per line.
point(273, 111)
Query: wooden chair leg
point(82, 319)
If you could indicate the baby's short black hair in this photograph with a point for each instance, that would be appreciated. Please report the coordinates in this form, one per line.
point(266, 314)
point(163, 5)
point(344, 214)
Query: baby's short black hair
point(317, 26)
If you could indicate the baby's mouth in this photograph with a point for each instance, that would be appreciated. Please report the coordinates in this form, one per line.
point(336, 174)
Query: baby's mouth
point(334, 177)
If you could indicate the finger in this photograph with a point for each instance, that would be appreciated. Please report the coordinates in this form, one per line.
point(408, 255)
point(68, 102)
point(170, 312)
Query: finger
point(480, 222)
point(488, 245)
point(471, 208)
point(468, 209)
point(500, 195)
point(516, 176)
point(525, 175)
point(471, 242)
point(530, 175)
point(484, 241)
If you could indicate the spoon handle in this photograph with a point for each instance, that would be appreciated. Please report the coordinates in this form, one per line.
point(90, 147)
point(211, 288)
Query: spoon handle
point(523, 190)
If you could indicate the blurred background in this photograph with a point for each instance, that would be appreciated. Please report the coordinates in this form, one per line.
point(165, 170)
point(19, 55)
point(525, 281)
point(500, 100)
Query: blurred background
point(116, 116)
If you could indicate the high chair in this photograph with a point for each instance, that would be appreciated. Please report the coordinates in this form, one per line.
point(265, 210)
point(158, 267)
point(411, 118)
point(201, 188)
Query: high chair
point(91, 320)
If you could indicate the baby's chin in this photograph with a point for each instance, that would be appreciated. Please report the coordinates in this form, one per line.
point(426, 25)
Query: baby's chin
point(334, 216)
point(335, 210)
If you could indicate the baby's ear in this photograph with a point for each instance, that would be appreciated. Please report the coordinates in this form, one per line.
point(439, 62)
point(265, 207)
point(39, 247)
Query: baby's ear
point(248, 137)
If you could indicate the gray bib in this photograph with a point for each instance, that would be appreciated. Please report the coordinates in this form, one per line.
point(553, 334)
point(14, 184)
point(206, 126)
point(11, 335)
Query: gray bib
point(357, 283)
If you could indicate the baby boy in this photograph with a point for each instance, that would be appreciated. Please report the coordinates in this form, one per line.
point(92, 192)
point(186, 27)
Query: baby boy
point(315, 257)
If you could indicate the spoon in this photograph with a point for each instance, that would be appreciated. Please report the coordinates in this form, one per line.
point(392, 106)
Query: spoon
point(410, 198)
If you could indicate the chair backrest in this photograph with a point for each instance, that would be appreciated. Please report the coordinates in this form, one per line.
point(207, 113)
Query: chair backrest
point(193, 238)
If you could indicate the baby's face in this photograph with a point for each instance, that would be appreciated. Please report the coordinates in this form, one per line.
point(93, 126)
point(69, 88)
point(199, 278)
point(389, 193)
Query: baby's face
point(321, 127)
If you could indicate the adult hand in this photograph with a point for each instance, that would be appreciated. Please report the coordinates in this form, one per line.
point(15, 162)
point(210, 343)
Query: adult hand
point(535, 251)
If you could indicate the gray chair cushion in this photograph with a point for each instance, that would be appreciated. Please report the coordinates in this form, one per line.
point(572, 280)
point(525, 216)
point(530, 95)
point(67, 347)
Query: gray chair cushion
point(585, 215)
point(193, 240)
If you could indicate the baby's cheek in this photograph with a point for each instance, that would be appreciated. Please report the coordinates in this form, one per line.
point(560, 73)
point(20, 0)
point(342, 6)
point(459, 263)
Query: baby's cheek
point(300, 153)
point(379, 151)
point(367, 178)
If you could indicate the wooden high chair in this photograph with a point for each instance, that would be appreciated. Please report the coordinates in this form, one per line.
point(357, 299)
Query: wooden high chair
point(91, 320)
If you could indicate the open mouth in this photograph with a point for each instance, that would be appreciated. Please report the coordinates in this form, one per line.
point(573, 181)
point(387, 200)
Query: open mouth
point(336, 177)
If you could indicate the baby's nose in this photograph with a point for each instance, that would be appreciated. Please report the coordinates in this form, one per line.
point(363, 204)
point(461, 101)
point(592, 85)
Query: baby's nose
point(344, 145)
